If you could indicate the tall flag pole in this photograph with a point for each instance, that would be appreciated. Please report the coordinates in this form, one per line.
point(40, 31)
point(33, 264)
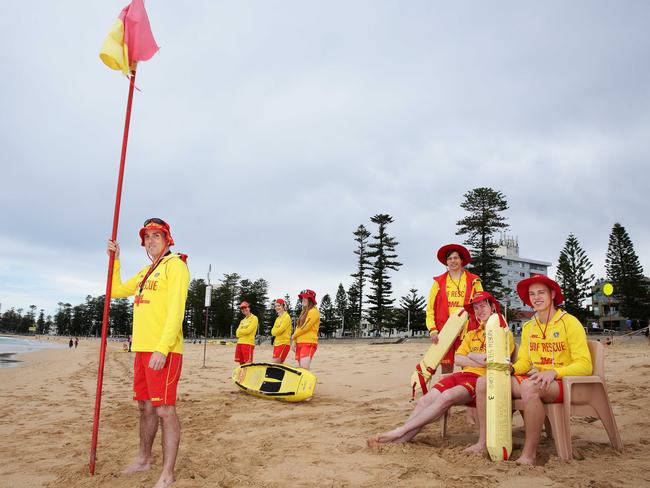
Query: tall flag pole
point(129, 41)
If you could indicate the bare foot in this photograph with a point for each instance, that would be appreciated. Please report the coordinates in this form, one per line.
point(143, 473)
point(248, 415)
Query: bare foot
point(373, 443)
point(389, 437)
point(164, 481)
point(478, 449)
point(137, 466)
point(528, 461)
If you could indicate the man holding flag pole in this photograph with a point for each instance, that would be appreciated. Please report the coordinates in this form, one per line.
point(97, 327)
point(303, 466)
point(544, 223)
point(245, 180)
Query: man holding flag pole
point(159, 324)
point(160, 291)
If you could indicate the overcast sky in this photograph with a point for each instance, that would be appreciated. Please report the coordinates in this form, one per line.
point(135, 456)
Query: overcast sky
point(265, 132)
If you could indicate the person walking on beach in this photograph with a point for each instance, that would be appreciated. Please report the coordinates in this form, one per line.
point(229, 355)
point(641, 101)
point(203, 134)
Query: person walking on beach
point(76, 342)
point(455, 389)
point(160, 291)
point(70, 343)
point(246, 333)
point(450, 291)
point(553, 345)
point(281, 331)
point(305, 337)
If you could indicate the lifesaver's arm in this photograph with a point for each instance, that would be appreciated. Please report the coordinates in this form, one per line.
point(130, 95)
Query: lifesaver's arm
point(246, 326)
point(127, 289)
point(431, 314)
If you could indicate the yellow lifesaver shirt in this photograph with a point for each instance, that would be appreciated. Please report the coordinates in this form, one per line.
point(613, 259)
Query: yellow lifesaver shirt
point(159, 310)
point(474, 341)
point(309, 330)
point(560, 345)
point(282, 329)
point(247, 330)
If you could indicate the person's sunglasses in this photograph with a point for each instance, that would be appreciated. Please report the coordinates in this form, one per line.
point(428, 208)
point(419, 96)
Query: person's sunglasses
point(154, 220)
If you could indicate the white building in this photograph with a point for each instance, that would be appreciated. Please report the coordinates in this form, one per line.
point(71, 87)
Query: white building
point(515, 268)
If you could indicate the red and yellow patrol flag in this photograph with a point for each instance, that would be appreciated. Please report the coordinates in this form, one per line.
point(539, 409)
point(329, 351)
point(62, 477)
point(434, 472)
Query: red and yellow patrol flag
point(129, 40)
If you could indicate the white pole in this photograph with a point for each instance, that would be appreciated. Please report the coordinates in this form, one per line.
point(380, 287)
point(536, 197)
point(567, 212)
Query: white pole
point(408, 322)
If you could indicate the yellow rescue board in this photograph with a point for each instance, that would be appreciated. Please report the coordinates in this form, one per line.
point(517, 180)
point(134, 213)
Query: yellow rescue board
point(499, 399)
point(277, 381)
point(446, 337)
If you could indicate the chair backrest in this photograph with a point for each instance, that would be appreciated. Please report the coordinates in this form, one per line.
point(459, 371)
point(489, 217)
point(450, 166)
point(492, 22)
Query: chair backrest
point(597, 358)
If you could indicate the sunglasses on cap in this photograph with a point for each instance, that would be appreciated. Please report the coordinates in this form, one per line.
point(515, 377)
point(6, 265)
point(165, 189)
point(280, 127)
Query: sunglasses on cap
point(154, 220)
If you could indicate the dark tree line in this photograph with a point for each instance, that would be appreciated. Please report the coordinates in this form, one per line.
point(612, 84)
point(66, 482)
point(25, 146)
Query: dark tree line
point(369, 296)
point(83, 319)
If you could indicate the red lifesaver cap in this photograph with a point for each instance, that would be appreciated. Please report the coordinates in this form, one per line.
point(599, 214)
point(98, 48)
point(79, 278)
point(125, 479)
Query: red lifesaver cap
point(155, 223)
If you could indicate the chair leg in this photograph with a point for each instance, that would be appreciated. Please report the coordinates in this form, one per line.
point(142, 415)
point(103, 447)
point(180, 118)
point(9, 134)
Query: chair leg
point(561, 429)
point(445, 418)
point(601, 405)
point(548, 428)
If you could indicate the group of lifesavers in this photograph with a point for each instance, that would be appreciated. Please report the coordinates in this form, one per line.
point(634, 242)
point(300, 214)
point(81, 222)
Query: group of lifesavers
point(553, 345)
point(303, 340)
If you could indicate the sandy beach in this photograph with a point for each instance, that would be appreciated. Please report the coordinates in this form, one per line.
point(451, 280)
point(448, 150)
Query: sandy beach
point(233, 439)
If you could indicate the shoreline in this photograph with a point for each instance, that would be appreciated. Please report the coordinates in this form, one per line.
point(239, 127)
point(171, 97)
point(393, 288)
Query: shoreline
point(18, 345)
point(7, 360)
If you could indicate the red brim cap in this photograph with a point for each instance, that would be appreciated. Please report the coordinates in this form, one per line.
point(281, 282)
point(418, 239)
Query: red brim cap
point(308, 294)
point(154, 226)
point(461, 250)
point(524, 285)
point(479, 297)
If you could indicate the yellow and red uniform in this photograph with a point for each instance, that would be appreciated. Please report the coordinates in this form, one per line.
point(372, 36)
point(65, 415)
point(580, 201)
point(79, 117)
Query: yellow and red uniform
point(246, 332)
point(441, 305)
point(560, 345)
point(306, 337)
point(474, 341)
point(158, 311)
point(282, 332)
point(308, 333)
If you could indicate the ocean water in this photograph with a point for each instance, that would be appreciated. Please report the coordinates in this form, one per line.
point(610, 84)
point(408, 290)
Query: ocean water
point(18, 345)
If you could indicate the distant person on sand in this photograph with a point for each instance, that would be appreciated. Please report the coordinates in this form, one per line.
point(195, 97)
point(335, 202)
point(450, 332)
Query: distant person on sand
point(455, 389)
point(71, 343)
point(305, 337)
point(450, 291)
point(553, 345)
point(281, 332)
point(160, 291)
point(76, 342)
point(246, 333)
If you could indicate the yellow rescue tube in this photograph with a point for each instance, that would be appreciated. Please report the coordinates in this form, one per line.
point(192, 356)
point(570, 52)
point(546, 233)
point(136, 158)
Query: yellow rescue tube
point(499, 396)
point(277, 381)
point(446, 337)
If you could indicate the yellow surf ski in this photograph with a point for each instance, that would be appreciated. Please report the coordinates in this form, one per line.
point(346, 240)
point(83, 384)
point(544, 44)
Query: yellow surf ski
point(277, 381)
point(427, 367)
point(499, 399)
